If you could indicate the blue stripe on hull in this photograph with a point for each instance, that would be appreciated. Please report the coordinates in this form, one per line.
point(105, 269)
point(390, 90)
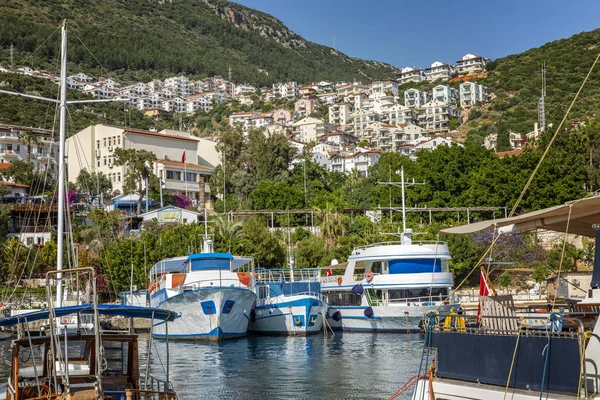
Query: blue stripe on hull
point(383, 330)
point(215, 334)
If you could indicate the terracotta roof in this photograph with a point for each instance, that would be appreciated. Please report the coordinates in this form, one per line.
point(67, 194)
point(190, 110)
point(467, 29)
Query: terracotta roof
point(4, 165)
point(12, 184)
point(181, 165)
point(162, 135)
point(510, 153)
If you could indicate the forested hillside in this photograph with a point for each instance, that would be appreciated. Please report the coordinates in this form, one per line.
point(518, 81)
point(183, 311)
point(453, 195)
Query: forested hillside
point(146, 39)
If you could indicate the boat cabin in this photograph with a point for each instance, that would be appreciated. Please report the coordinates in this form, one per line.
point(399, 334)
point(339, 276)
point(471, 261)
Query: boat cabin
point(35, 372)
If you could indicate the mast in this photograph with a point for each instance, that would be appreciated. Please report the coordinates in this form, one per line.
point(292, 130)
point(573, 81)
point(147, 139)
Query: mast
point(61, 162)
point(403, 202)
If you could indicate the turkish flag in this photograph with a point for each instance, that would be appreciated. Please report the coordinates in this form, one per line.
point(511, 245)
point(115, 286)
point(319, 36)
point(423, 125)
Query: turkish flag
point(183, 157)
point(329, 272)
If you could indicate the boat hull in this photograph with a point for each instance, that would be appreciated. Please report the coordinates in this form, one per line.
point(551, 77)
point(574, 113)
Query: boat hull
point(298, 317)
point(212, 314)
point(383, 320)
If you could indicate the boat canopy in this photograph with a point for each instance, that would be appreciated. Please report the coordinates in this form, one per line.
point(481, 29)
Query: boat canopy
point(176, 264)
point(579, 215)
point(88, 309)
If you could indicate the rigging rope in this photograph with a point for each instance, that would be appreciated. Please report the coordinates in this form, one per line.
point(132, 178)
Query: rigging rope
point(512, 363)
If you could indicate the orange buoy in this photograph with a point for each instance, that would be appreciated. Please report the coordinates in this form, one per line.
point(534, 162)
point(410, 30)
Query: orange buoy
point(340, 279)
point(369, 276)
point(245, 278)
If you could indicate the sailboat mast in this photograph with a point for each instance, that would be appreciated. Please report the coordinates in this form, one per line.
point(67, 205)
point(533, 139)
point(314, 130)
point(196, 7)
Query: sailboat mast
point(61, 162)
point(403, 203)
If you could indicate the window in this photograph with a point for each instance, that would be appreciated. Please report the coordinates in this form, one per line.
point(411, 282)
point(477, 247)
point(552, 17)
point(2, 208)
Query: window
point(110, 141)
point(191, 177)
point(98, 163)
point(118, 177)
point(104, 142)
point(104, 158)
point(174, 175)
point(29, 241)
point(119, 140)
point(98, 144)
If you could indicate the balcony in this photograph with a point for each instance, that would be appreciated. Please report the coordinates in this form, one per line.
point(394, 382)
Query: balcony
point(9, 154)
point(9, 137)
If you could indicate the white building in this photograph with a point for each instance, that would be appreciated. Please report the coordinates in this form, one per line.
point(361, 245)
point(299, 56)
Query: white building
point(490, 141)
point(287, 90)
point(438, 116)
point(472, 93)
point(306, 106)
point(408, 74)
point(339, 114)
point(471, 64)
point(242, 119)
point(415, 98)
point(172, 214)
point(244, 88)
point(198, 102)
point(360, 161)
point(93, 148)
point(310, 129)
point(445, 94)
point(439, 70)
point(381, 87)
point(13, 147)
point(179, 85)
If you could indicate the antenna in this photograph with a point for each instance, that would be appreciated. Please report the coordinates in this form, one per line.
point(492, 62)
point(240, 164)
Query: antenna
point(541, 104)
point(334, 42)
point(402, 184)
point(12, 65)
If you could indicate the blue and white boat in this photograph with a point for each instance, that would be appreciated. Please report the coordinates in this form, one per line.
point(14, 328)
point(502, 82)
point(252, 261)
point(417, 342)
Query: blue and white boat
point(289, 302)
point(389, 287)
point(212, 298)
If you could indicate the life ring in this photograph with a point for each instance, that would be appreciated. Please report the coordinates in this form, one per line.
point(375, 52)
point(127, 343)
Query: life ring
point(554, 285)
point(340, 279)
point(369, 276)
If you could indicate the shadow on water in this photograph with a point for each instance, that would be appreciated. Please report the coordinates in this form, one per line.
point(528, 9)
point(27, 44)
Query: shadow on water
point(345, 366)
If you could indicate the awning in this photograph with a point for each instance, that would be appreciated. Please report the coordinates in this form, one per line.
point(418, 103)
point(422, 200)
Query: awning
point(584, 213)
point(88, 309)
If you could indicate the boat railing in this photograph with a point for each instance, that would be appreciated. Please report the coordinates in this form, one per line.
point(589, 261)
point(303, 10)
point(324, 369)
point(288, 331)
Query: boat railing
point(286, 275)
point(419, 301)
point(153, 389)
point(397, 242)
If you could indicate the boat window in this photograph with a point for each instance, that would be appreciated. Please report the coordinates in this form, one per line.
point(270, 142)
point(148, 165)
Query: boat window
point(415, 265)
point(376, 267)
point(263, 292)
point(343, 299)
point(27, 355)
point(210, 263)
point(114, 358)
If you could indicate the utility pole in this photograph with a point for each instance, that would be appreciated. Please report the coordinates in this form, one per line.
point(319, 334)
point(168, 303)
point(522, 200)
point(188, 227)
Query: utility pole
point(402, 184)
point(12, 57)
point(542, 101)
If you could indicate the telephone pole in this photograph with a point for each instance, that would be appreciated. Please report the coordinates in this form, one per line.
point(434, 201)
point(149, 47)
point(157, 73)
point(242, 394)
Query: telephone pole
point(402, 184)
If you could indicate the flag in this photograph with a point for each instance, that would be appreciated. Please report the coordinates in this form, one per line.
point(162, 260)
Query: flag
point(485, 289)
point(329, 272)
point(183, 158)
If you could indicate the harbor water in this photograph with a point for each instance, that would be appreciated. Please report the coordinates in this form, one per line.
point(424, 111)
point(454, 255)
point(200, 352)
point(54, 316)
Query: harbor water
point(345, 366)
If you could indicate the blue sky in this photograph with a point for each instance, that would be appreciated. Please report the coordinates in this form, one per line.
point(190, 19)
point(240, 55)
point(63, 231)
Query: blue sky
point(417, 33)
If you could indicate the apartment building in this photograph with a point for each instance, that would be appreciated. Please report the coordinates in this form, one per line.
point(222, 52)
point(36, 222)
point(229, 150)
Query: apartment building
point(490, 141)
point(13, 147)
point(445, 94)
point(93, 148)
point(471, 64)
point(439, 71)
point(472, 93)
point(243, 89)
point(438, 115)
point(381, 87)
point(409, 74)
point(415, 98)
point(310, 129)
point(178, 85)
point(359, 120)
point(339, 114)
point(351, 89)
point(306, 106)
point(288, 90)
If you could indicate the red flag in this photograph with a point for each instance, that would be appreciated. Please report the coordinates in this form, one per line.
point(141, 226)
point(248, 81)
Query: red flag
point(485, 289)
point(183, 158)
point(329, 272)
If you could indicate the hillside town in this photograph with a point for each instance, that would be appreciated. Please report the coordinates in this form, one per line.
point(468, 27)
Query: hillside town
point(345, 126)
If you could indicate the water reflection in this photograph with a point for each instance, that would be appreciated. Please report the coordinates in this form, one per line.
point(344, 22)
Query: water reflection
point(345, 366)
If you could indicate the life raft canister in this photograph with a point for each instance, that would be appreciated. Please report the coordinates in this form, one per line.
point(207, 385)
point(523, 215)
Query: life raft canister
point(369, 276)
point(340, 279)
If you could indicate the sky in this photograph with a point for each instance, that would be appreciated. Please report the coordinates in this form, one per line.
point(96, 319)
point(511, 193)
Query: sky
point(416, 33)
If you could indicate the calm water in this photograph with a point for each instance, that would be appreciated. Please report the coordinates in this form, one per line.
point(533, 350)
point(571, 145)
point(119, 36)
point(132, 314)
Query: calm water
point(346, 366)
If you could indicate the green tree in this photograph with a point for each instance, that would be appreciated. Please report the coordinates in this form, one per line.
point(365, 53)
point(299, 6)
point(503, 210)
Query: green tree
point(227, 233)
point(505, 280)
point(93, 184)
point(24, 173)
point(503, 136)
point(333, 225)
point(138, 171)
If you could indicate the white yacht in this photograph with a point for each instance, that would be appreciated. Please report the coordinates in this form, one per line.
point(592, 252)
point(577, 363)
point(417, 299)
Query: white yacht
point(212, 299)
point(389, 287)
point(289, 302)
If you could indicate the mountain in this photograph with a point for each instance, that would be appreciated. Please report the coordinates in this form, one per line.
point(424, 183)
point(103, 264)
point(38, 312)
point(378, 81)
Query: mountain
point(516, 81)
point(145, 39)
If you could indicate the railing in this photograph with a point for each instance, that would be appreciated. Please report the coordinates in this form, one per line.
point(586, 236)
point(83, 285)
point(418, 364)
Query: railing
point(419, 301)
point(396, 243)
point(154, 389)
point(286, 274)
point(210, 283)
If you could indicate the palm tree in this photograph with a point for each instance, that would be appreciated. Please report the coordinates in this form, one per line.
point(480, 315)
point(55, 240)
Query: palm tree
point(28, 138)
point(333, 225)
point(226, 231)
